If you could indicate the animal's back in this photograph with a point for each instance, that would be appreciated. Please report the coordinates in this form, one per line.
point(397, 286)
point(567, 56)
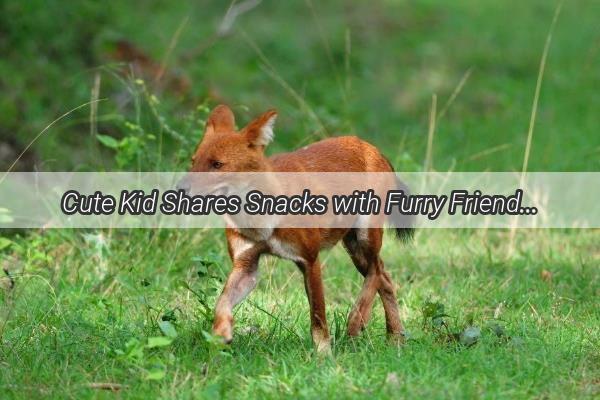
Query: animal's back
point(338, 154)
point(345, 154)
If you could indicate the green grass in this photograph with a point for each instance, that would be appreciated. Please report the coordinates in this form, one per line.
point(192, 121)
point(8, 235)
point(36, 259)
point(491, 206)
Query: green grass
point(86, 302)
point(77, 303)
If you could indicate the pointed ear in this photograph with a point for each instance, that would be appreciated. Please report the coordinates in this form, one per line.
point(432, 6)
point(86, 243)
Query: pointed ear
point(221, 119)
point(260, 131)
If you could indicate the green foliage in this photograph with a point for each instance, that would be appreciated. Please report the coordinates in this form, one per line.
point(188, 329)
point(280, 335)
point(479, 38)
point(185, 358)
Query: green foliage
point(152, 367)
point(167, 328)
point(370, 70)
point(5, 243)
point(135, 307)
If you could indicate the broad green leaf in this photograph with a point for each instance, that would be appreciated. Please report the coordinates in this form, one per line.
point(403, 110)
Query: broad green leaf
point(134, 349)
point(4, 242)
point(108, 141)
point(168, 329)
point(158, 341)
point(156, 374)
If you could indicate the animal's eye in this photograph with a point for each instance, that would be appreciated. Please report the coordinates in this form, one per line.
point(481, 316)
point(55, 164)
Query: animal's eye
point(216, 164)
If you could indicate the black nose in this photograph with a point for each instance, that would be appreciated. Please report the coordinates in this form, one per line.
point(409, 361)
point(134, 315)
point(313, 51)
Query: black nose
point(184, 185)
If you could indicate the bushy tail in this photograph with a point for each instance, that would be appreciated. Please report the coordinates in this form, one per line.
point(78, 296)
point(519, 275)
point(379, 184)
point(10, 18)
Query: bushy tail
point(403, 224)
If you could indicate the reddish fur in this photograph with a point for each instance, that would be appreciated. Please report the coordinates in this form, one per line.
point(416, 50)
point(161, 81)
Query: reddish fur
point(237, 153)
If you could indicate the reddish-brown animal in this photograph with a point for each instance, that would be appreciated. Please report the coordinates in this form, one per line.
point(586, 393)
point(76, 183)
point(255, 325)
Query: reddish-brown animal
point(224, 149)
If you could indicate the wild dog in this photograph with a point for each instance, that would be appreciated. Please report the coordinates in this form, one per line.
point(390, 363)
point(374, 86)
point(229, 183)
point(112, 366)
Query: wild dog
point(223, 149)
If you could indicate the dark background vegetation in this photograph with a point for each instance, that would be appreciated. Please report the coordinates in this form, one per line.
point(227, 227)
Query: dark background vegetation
point(338, 67)
point(87, 313)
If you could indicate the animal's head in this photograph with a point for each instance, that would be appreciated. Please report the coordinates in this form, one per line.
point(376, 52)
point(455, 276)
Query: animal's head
point(223, 149)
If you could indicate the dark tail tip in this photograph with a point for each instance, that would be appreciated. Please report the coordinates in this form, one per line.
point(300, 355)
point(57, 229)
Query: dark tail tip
point(405, 234)
point(404, 224)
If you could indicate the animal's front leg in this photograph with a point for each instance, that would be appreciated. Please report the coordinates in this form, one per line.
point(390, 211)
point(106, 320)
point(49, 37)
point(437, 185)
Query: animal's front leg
point(316, 299)
point(242, 279)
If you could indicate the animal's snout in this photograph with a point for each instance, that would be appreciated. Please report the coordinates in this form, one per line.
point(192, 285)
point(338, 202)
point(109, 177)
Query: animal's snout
point(184, 185)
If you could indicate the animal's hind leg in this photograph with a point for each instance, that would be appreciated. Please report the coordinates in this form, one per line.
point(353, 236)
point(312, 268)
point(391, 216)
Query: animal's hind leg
point(361, 312)
point(390, 304)
point(364, 245)
point(365, 261)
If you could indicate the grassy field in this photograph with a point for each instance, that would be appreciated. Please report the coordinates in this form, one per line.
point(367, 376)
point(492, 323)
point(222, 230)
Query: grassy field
point(88, 307)
point(127, 313)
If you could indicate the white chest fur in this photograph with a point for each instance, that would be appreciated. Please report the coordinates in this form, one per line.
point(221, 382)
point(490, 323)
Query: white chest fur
point(250, 238)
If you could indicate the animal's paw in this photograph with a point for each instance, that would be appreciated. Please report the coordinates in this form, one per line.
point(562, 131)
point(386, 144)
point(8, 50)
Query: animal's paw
point(356, 323)
point(223, 327)
point(324, 349)
point(322, 343)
